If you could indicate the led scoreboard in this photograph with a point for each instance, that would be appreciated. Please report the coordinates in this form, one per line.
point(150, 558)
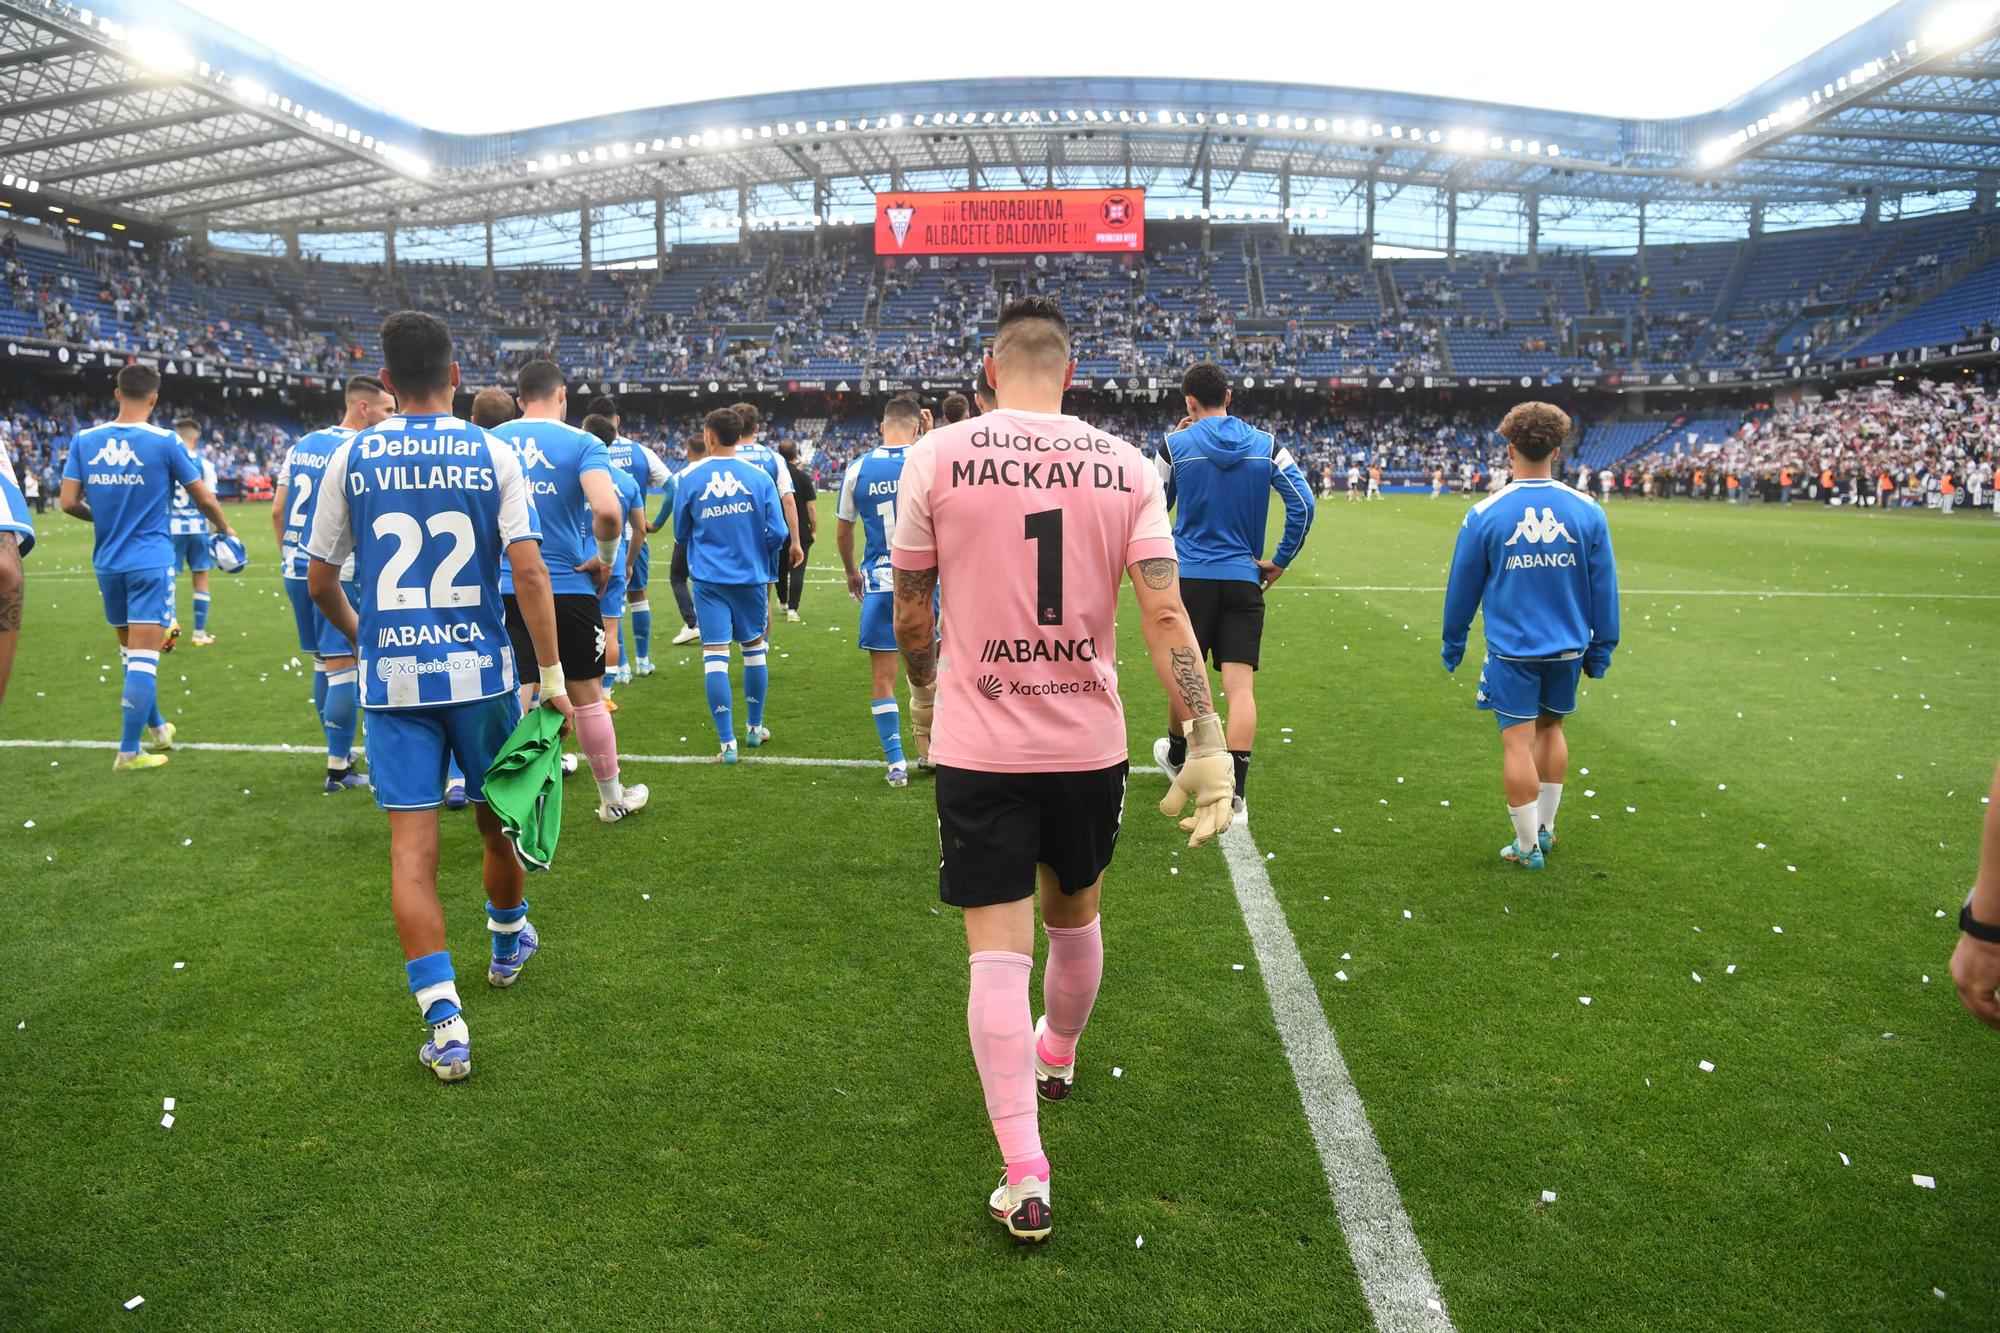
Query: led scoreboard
point(1010, 222)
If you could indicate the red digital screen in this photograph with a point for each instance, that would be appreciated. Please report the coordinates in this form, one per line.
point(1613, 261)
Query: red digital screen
point(1010, 222)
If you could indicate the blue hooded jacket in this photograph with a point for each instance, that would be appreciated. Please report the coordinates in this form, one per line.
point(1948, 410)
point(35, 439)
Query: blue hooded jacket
point(1220, 473)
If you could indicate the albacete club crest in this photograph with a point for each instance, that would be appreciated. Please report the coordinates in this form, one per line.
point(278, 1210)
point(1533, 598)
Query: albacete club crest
point(900, 215)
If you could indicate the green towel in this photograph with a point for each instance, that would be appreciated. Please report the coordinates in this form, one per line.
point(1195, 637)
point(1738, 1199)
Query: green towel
point(524, 787)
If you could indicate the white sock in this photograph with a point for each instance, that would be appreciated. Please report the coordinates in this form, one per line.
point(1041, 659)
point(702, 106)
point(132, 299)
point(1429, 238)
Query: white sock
point(1551, 799)
point(1524, 825)
point(611, 792)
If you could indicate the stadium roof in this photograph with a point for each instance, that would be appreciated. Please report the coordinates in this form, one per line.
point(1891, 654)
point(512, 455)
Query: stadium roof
point(186, 125)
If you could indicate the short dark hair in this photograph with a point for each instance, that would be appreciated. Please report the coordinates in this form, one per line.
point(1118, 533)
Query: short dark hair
point(903, 410)
point(600, 425)
point(1032, 307)
point(604, 405)
point(956, 408)
point(492, 407)
point(1536, 430)
point(187, 423)
point(788, 450)
point(982, 388)
point(749, 413)
point(364, 384)
point(416, 351)
point(697, 445)
point(537, 380)
point(1206, 383)
point(725, 424)
point(136, 381)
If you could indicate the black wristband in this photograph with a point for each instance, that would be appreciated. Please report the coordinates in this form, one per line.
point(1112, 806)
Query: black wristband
point(1979, 930)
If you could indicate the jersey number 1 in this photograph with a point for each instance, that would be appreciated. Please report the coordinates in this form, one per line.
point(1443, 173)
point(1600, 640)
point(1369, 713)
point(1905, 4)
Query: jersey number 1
point(1045, 530)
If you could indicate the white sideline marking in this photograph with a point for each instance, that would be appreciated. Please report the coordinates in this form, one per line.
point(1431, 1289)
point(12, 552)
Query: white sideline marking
point(1395, 1276)
point(314, 751)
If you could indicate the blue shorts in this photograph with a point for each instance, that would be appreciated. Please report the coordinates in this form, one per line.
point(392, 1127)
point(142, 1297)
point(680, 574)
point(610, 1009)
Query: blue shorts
point(316, 633)
point(193, 550)
point(1517, 690)
point(410, 748)
point(611, 602)
point(643, 575)
point(878, 622)
point(730, 612)
point(139, 597)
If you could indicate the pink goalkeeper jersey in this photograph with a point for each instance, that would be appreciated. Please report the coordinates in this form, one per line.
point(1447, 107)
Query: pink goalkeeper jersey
point(1030, 519)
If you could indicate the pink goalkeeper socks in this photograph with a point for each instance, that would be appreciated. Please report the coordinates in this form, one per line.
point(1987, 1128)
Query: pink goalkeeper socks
point(1003, 1035)
point(598, 740)
point(1069, 987)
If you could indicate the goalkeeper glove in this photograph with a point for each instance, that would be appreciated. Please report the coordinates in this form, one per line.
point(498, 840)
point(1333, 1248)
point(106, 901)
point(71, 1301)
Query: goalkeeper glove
point(1208, 778)
point(923, 707)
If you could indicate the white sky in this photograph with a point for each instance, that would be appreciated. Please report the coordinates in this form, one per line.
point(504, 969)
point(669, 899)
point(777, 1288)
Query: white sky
point(430, 60)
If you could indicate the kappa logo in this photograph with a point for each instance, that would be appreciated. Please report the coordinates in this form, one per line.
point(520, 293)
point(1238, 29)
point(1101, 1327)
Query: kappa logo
point(724, 486)
point(989, 686)
point(900, 216)
point(1546, 528)
point(533, 457)
point(116, 453)
point(599, 648)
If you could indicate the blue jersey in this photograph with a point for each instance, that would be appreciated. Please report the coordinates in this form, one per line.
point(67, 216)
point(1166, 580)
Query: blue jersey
point(639, 462)
point(428, 504)
point(554, 458)
point(766, 458)
point(183, 519)
point(1220, 473)
point(1537, 555)
point(299, 477)
point(629, 499)
point(14, 509)
point(726, 510)
point(128, 475)
point(868, 497)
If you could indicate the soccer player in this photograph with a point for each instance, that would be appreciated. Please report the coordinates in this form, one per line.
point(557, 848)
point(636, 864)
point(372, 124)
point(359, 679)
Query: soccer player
point(336, 684)
point(750, 450)
point(651, 473)
point(493, 408)
point(955, 408)
point(726, 511)
point(1025, 518)
point(430, 505)
point(868, 499)
point(1220, 473)
point(611, 602)
point(189, 530)
point(17, 538)
point(1537, 555)
point(1374, 481)
point(568, 476)
point(677, 574)
point(793, 583)
point(1353, 482)
point(119, 478)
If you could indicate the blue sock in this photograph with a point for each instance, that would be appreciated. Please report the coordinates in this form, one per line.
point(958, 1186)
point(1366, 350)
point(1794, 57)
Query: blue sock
point(319, 690)
point(200, 612)
point(888, 725)
point(142, 687)
point(624, 658)
point(756, 683)
point(504, 924)
point(715, 682)
point(642, 630)
point(431, 981)
point(343, 713)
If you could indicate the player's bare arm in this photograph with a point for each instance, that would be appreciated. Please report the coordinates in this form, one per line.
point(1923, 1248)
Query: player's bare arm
point(12, 596)
point(210, 507)
point(1207, 778)
point(843, 538)
point(538, 609)
point(323, 582)
point(1975, 964)
point(916, 624)
point(278, 498)
point(72, 500)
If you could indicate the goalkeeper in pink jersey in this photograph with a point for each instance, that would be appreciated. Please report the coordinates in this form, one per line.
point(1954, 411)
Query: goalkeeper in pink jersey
point(1027, 519)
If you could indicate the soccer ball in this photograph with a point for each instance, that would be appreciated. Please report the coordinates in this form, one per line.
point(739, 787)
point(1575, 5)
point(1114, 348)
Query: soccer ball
point(230, 556)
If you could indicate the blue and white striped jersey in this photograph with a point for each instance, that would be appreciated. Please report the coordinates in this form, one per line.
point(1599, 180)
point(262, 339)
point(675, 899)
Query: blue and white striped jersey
point(299, 477)
point(183, 519)
point(868, 496)
point(765, 457)
point(429, 506)
point(14, 509)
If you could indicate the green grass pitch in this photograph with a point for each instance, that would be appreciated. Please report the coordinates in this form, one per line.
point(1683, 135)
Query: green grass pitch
point(746, 1100)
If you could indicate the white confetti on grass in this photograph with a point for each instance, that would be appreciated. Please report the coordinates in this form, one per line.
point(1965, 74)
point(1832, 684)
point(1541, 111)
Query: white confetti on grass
point(1548, 1196)
point(1236, 967)
point(1777, 930)
point(167, 1120)
point(1139, 1244)
point(1340, 976)
point(1924, 1182)
point(1117, 1071)
point(1696, 976)
point(1583, 999)
point(1844, 1161)
point(135, 1302)
point(1406, 914)
point(169, 1104)
point(1731, 969)
point(179, 966)
point(1707, 1066)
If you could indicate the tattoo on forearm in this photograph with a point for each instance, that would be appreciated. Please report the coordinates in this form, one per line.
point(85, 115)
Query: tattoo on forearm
point(1158, 574)
point(921, 664)
point(914, 585)
point(1184, 665)
point(10, 609)
point(917, 586)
